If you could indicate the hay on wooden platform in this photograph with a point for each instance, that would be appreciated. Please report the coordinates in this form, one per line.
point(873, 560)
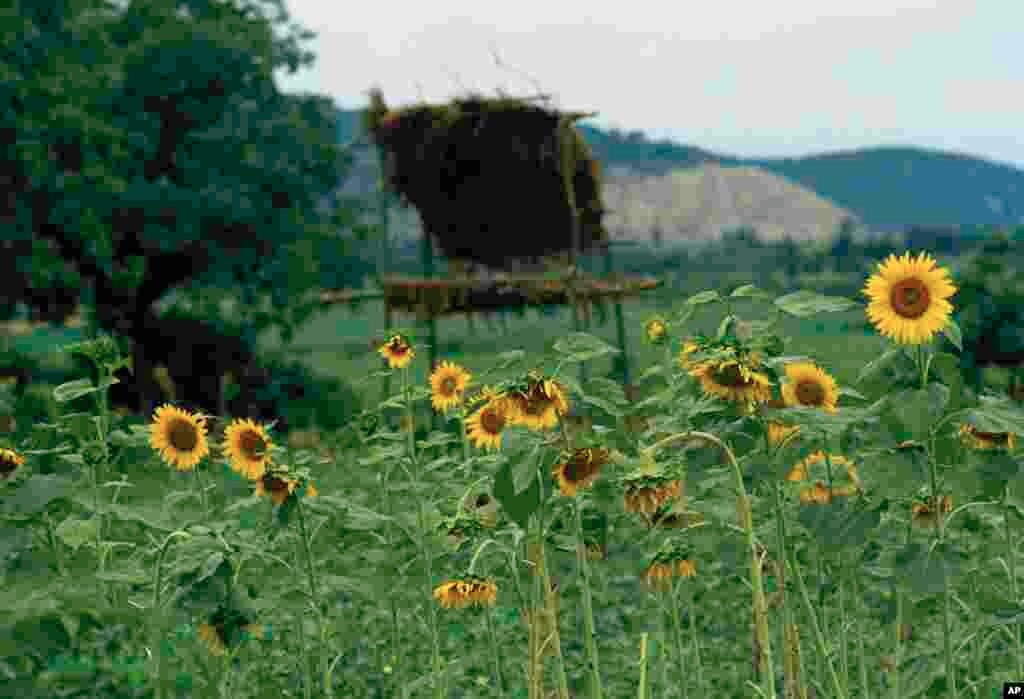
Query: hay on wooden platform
point(490, 177)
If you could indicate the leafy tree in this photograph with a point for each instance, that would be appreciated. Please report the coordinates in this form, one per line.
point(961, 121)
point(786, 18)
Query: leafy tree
point(146, 149)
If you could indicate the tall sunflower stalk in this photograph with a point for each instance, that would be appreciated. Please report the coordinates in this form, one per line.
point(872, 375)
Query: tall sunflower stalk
point(909, 304)
point(760, 612)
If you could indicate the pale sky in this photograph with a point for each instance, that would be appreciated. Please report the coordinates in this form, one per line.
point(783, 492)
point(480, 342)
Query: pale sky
point(740, 77)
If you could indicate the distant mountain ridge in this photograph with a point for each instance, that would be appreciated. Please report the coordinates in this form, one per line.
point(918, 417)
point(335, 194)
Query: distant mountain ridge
point(886, 188)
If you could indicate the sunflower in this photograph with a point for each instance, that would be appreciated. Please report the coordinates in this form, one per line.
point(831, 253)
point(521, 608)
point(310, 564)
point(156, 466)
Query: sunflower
point(539, 405)
point(484, 508)
point(579, 469)
point(777, 432)
point(733, 380)
point(820, 493)
point(690, 347)
point(656, 330)
point(909, 298)
point(248, 446)
point(10, 460)
point(217, 633)
point(923, 511)
point(280, 486)
point(397, 351)
point(179, 436)
point(484, 427)
point(673, 561)
point(447, 384)
point(809, 386)
point(974, 439)
point(646, 496)
point(459, 594)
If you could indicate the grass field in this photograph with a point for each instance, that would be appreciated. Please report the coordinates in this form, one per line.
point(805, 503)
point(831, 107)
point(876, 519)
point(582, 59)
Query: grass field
point(340, 584)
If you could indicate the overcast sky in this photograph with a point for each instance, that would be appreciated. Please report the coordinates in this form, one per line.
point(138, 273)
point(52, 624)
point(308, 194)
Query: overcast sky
point(740, 77)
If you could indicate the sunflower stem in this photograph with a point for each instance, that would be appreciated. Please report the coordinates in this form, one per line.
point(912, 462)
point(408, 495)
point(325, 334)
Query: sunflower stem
point(819, 638)
point(865, 688)
point(495, 655)
point(1012, 560)
point(549, 606)
point(596, 688)
point(314, 593)
point(642, 689)
point(947, 643)
point(844, 656)
point(787, 610)
point(157, 616)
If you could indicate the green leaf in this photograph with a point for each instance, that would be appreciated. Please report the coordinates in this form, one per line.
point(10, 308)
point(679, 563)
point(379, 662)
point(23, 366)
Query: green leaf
point(34, 494)
point(996, 414)
point(953, 334)
point(518, 506)
point(75, 531)
point(583, 347)
point(920, 409)
point(805, 304)
point(749, 291)
point(509, 358)
point(80, 387)
point(709, 296)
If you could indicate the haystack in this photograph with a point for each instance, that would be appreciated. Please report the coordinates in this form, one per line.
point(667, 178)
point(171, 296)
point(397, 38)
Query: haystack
point(493, 180)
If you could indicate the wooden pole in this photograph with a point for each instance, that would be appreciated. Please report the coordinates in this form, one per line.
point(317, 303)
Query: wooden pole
point(620, 322)
point(428, 272)
point(566, 143)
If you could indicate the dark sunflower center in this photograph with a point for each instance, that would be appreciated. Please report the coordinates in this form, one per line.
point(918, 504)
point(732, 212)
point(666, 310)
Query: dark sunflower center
point(448, 386)
point(810, 393)
point(492, 421)
point(729, 376)
point(7, 465)
point(252, 445)
point(277, 485)
point(910, 298)
point(182, 435)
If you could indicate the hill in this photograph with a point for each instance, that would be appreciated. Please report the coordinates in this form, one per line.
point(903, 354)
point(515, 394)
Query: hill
point(883, 188)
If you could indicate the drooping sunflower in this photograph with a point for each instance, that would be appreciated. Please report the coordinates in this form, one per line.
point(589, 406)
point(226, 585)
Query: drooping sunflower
point(674, 560)
point(820, 493)
point(538, 404)
point(447, 384)
point(925, 515)
point(179, 436)
point(279, 486)
point(397, 351)
point(733, 380)
point(224, 629)
point(646, 495)
point(10, 460)
point(484, 427)
point(459, 594)
point(579, 469)
point(777, 432)
point(809, 386)
point(908, 298)
point(972, 438)
point(248, 446)
point(656, 330)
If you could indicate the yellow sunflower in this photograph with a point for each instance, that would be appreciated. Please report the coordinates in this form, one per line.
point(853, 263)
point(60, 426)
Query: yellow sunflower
point(909, 298)
point(972, 438)
point(447, 384)
point(484, 427)
point(248, 446)
point(925, 515)
point(458, 594)
point(179, 436)
point(777, 432)
point(809, 386)
point(656, 330)
point(279, 486)
point(397, 351)
point(539, 406)
point(733, 380)
point(579, 469)
point(10, 460)
point(819, 492)
point(658, 575)
point(647, 498)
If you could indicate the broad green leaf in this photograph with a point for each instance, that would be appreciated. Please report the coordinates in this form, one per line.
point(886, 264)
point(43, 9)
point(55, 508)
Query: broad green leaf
point(749, 291)
point(805, 304)
point(75, 531)
point(80, 387)
point(583, 347)
point(519, 506)
point(33, 495)
point(709, 296)
point(953, 334)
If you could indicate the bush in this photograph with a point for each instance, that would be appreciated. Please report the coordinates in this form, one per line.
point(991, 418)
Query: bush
point(302, 398)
